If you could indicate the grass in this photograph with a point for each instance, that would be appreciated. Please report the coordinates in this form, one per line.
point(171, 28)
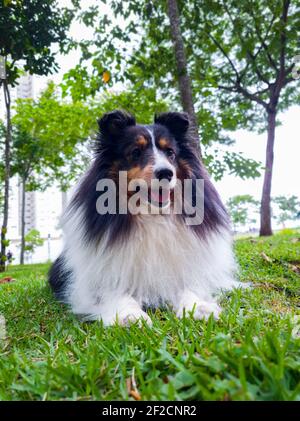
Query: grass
point(251, 353)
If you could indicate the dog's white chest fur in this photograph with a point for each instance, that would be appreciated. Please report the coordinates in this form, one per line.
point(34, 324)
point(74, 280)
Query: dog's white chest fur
point(161, 259)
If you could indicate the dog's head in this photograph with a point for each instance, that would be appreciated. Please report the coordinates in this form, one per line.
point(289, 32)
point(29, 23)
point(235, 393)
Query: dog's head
point(159, 152)
point(153, 153)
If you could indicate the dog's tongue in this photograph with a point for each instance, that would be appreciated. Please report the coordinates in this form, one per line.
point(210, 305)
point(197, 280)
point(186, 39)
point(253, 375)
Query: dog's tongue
point(160, 195)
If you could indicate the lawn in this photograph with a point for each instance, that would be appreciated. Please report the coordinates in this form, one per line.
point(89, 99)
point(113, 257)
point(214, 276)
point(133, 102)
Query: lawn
point(251, 353)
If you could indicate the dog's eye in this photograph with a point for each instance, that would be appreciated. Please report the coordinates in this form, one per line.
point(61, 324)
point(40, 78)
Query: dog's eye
point(170, 153)
point(136, 153)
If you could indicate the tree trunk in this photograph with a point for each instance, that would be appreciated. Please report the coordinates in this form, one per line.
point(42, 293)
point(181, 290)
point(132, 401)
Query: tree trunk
point(184, 81)
point(23, 205)
point(265, 208)
point(6, 177)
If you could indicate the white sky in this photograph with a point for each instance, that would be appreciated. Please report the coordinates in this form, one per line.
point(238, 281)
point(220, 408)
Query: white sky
point(286, 179)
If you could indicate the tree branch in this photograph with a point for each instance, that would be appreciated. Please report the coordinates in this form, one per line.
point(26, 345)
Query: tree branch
point(237, 86)
point(252, 96)
point(282, 79)
point(288, 80)
point(225, 54)
point(283, 18)
point(249, 53)
point(263, 40)
point(287, 72)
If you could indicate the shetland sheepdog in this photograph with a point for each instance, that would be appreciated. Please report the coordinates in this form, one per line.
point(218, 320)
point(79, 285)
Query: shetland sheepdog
point(118, 262)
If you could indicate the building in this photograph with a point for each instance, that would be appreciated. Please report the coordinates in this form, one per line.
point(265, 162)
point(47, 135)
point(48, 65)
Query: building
point(25, 90)
point(25, 87)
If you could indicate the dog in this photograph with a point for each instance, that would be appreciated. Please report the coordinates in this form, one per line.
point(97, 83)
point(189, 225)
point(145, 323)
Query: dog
point(115, 265)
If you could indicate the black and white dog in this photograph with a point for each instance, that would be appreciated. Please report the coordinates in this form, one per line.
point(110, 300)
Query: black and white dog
point(115, 264)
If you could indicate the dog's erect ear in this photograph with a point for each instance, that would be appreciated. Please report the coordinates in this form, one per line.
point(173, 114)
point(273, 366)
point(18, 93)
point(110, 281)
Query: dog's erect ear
point(114, 123)
point(177, 123)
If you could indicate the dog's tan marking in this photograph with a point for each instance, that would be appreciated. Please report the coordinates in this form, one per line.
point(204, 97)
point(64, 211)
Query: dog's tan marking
point(138, 172)
point(134, 172)
point(163, 143)
point(141, 141)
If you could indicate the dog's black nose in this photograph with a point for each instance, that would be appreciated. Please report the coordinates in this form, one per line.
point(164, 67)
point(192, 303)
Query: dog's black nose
point(164, 174)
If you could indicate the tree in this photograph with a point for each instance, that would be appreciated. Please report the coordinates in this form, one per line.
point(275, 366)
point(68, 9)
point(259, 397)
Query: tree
point(184, 81)
point(28, 29)
point(32, 240)
point(6, 173)
point(131, 101)
point(48, 140)
point(141, 55)
point(289, 208)
point(2, 141)
point(239, 207)
point(250, 49)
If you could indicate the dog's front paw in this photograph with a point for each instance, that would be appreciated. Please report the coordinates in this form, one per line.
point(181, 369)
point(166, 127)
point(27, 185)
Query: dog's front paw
point(201, 310)
point(204, 309)
point(134, 316)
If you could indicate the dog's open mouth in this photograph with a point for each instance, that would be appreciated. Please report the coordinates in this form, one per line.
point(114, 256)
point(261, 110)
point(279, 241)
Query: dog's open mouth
point(159, 197)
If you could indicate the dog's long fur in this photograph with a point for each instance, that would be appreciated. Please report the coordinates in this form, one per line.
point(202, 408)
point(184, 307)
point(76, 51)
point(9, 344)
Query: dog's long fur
point(113, 266)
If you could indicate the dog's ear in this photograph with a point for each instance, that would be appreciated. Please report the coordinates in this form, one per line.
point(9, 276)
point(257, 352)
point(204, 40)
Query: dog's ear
point(177, 123)
point(114, 123)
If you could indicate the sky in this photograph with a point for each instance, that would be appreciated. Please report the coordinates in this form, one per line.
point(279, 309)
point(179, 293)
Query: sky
point(286, 179)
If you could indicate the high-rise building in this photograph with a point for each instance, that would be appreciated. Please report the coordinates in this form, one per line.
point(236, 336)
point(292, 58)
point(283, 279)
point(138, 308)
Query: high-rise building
point(25, 90)
point(25, 86)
